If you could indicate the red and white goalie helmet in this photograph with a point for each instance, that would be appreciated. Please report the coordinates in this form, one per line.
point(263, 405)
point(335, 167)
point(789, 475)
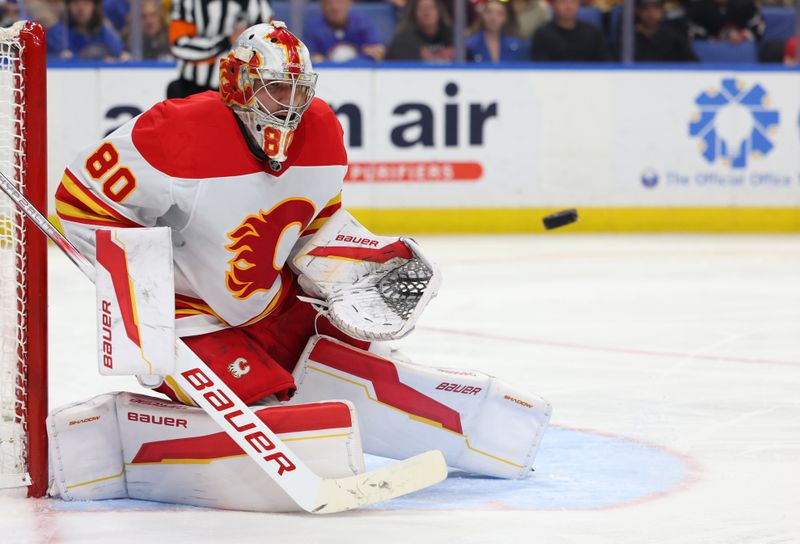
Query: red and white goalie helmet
point(267, 79)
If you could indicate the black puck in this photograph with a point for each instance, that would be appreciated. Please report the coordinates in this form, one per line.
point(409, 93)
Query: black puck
point(559, 219)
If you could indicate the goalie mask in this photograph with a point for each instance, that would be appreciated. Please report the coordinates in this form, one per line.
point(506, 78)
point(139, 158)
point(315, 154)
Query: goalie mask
point(267, 80)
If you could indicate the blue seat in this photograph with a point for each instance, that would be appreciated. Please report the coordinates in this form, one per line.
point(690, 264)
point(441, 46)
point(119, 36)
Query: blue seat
point(589, 14)
point(380, 13)
point(780, 23)
point(726, 52)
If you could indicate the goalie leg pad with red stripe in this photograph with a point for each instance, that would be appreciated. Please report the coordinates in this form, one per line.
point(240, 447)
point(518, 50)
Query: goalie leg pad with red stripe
point(124, 445)
point(480, 424)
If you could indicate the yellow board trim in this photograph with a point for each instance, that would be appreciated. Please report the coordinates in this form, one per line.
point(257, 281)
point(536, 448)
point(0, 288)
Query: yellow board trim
point(529, 220)
point(594, 220)
point(414, 417)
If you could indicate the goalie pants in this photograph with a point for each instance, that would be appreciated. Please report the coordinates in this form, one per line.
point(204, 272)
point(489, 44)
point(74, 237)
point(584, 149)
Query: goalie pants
point(257, 361)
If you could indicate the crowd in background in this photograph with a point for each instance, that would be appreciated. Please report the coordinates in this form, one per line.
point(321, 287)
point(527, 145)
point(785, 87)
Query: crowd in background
point(423, 30)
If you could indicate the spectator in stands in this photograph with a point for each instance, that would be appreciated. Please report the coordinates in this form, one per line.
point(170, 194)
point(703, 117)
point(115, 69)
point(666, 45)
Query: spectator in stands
point(85, 34)
point(339, 34)
point(9, 12)
point(155, 38)
point(496, 39)
point(531, 14)
point(675, 16)
point(116, 13)
point(425, 33)
point(447, 6)
point(727, 20)
point(566, 38)
point(657, 41)
point(46, 12)
point(790, 52)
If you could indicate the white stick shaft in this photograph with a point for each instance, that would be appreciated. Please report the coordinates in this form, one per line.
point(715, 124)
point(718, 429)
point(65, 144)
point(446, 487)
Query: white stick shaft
point(256, 439)
point(46, 227)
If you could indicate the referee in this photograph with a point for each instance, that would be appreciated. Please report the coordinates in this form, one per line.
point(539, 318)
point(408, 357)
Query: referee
point(202, 31)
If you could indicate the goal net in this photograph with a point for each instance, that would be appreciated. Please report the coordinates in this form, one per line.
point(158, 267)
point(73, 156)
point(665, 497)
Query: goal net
point(23, 307)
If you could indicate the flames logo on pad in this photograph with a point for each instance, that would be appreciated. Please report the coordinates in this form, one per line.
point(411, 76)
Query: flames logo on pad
point(234, 88)
point(748, 108)
point(255, 244)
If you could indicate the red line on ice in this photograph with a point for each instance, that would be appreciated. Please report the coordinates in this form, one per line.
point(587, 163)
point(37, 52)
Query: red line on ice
point(629, 351)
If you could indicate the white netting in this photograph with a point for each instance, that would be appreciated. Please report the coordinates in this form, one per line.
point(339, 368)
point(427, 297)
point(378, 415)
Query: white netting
point(13, 290)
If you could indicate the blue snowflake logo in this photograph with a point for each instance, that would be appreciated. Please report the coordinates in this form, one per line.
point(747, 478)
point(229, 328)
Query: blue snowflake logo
point(752, 132)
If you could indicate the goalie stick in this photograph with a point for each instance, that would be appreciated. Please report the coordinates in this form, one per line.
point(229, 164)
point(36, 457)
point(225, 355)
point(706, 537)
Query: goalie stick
point(310, 491)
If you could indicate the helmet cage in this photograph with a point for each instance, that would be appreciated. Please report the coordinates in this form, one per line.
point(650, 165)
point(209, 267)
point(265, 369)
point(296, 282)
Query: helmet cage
point(291, 92)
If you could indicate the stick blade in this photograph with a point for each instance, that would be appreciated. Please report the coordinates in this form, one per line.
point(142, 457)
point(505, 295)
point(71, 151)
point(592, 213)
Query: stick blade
point(407, 476)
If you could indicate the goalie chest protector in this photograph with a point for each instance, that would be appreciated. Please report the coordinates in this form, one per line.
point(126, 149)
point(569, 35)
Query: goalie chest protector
point(186, 164)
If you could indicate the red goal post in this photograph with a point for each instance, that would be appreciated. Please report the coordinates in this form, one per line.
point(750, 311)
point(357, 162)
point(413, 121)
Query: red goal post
point(23, 261)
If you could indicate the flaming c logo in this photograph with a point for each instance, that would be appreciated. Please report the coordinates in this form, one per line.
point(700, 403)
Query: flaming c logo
point(255, 243)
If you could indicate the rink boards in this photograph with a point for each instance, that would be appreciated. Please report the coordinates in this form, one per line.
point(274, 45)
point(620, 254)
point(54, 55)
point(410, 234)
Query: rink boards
point(449, 149)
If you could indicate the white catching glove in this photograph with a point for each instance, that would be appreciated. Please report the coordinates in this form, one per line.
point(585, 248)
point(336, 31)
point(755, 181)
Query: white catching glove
point(371, 287)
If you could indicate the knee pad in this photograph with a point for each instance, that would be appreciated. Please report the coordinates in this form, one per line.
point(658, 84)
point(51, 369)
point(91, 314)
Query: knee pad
point(124, 445)
point(480, 424)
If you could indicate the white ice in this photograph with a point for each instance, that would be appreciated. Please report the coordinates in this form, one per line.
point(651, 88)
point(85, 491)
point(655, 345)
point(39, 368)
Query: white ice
point(685, 345)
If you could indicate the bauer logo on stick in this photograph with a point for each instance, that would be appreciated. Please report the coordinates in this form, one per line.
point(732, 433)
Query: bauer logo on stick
point(560, 219)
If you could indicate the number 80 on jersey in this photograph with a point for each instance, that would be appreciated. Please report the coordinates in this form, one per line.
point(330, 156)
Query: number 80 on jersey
point(117, 182)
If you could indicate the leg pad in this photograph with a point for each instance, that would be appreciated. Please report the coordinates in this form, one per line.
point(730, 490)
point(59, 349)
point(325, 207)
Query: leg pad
point(480, 424)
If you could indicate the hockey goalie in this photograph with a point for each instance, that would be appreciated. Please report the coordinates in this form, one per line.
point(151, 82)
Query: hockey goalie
point(217, 219)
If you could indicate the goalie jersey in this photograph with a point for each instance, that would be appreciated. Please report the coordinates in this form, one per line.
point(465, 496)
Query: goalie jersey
point(235, 217)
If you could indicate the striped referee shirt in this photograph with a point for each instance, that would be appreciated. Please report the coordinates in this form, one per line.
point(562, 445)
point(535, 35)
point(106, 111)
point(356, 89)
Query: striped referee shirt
point(199, 33)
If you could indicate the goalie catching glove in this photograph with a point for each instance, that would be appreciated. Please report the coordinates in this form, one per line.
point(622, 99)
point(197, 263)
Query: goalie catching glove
point(370, 287)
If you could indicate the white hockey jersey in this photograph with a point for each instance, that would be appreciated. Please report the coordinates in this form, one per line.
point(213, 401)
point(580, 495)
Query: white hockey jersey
point(186, 164)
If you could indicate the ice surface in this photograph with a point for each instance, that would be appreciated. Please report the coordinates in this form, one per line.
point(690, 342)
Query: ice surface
point(673, 366)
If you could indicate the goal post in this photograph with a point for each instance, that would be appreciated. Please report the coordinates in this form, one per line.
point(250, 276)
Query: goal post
point(23, 261)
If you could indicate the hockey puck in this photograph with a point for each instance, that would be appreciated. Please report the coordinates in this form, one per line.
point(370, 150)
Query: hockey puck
point(560, 219)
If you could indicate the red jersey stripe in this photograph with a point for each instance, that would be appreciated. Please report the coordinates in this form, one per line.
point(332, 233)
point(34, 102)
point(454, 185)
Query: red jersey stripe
point(74, 202)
